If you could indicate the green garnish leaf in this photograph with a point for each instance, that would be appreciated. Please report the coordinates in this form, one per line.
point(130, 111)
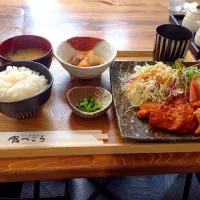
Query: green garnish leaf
point(88, 105)
point(192, 72)
point(178, 64)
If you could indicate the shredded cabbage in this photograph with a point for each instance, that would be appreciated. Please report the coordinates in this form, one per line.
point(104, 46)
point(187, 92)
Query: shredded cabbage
point(155, 83)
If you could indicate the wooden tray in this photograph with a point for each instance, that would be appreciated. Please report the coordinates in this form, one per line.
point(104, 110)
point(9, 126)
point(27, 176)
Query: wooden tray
point(177, 19)
point(57, 116)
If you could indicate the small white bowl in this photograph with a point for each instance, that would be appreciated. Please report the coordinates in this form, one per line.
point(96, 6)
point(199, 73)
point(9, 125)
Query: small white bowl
point(102, 95)
point(66, 49)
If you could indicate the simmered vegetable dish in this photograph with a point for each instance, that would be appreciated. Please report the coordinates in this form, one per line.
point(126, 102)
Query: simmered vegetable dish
point(88, 60)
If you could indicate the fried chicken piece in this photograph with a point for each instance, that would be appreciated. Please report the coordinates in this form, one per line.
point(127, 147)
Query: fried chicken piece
point(197, 116)
point(175, 116)
point(195, 104)
point(165, 118)
point(190, 123)
point(177, 100)
point(146, 109)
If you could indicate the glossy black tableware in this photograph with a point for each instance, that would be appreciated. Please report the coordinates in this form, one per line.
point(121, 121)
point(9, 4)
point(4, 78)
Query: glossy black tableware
point(28, 107)
point(171, 42)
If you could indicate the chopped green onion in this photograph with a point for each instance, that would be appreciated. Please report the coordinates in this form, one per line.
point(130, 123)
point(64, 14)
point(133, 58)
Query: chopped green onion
point(88, 105)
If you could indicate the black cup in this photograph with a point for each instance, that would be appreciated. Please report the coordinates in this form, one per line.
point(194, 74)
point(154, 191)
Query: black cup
point(171, 42)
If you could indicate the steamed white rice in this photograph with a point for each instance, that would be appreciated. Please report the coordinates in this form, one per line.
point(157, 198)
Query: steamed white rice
point(18, 83)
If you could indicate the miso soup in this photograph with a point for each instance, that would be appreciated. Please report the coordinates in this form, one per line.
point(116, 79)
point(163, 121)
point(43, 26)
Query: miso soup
point(25, 54)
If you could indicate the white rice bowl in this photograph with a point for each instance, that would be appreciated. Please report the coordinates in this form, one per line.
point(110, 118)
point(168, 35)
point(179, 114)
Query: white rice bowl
point(18, 83)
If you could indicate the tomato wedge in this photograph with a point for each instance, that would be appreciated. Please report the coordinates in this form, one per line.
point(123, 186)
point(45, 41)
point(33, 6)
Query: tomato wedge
point(194, 91)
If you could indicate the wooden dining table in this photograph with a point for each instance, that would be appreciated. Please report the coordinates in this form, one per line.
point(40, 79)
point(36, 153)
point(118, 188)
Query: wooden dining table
point(130, 26)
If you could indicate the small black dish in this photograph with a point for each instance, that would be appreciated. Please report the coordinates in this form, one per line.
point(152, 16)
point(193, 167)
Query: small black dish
point(28, 107)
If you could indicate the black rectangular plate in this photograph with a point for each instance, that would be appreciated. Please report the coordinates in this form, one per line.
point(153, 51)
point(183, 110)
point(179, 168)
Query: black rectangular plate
point(129, 125)
point(177, 19)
